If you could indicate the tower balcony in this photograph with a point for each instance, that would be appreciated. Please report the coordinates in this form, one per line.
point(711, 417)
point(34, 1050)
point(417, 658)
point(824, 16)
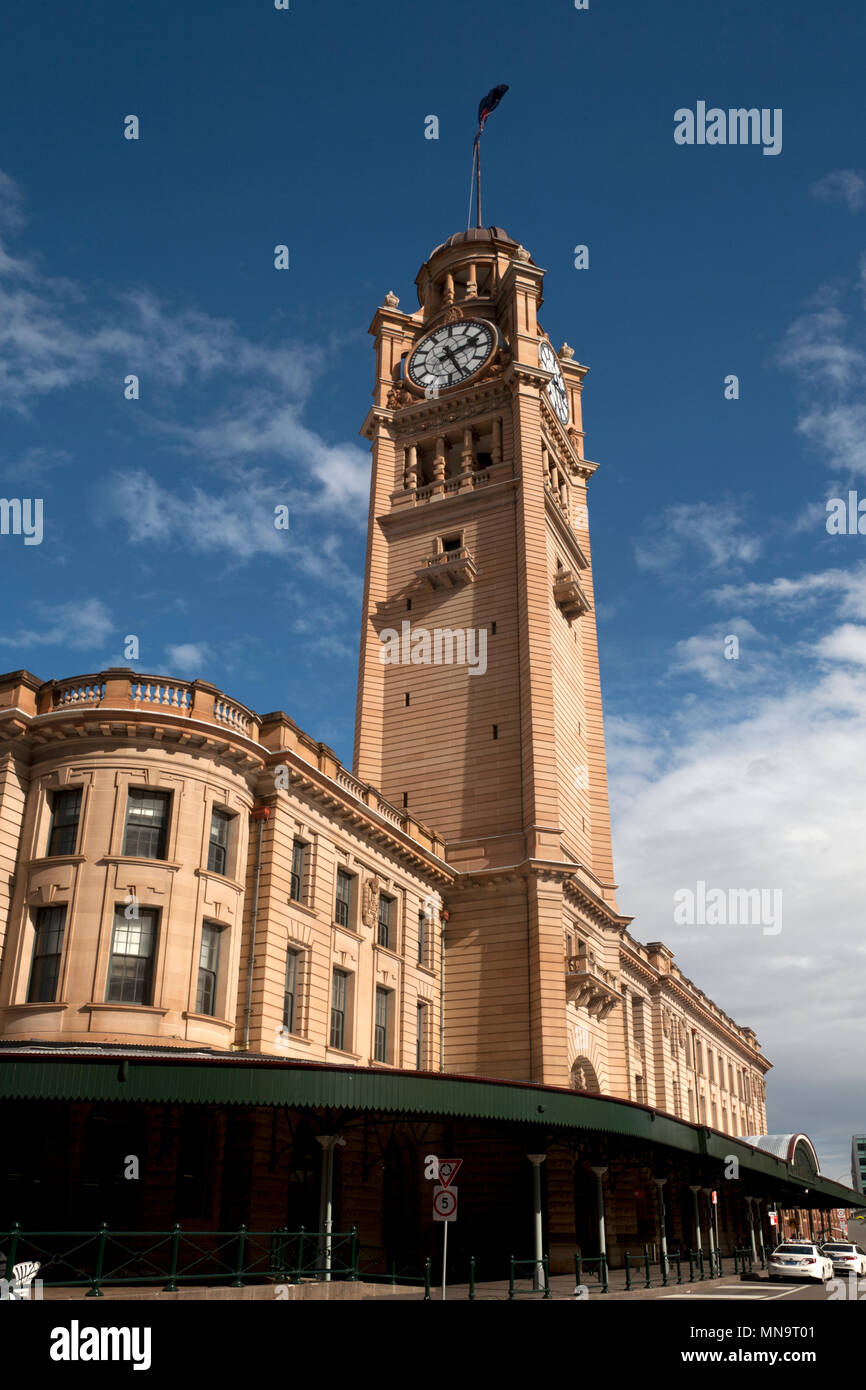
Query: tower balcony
point(590, 986)
point(569, 595)
point(448, 569)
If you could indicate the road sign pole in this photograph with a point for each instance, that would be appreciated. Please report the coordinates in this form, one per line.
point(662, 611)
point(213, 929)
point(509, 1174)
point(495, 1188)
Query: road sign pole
point(444, 1255)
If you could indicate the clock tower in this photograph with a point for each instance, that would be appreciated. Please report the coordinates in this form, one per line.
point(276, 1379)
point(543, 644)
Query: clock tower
point(479, 702)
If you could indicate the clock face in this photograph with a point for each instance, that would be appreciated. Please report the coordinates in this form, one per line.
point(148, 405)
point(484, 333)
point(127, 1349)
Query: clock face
point(451, 354)
point(555, 388)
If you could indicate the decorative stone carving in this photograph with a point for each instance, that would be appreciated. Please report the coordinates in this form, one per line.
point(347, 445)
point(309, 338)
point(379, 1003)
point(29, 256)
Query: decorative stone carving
point(521, 254)
point(566, 353)
point(398, 396)
point(453, 315)
point(390, 301)
point(370, 909)
point(666, 1022)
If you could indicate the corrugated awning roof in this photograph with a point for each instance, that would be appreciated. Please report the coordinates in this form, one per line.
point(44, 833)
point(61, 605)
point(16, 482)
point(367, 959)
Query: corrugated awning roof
point(164, 1076)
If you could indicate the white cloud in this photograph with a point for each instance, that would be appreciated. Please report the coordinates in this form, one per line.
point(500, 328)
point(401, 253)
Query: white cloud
point(710, 532)
point(847, 588)
point(187, 658)
point(770, 797)
point(704, 654)
point(846, 643)
point(76, 625)
point(842, 186)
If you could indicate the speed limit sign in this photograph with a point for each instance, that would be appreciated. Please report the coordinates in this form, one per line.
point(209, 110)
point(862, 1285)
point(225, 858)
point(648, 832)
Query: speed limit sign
point(444, 1203)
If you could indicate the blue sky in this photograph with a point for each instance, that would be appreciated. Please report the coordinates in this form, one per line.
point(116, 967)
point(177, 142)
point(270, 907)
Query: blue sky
point(306, 127)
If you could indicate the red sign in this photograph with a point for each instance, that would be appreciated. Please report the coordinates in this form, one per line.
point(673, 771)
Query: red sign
point(448, 1170)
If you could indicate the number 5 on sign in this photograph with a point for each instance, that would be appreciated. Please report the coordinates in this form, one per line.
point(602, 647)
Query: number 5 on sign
point(444, 1203)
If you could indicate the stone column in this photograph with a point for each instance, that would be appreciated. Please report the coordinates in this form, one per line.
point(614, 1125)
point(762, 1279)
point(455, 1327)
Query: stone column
point(326, 1198)
point(599, 1196)
point(536, 1160)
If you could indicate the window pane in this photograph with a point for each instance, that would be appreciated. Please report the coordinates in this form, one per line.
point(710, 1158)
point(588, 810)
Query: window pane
point(297, 875)
point(381, 1030)
point(132, 945)
point(146, 820)
point(338, 1009)
point(344, 898)
point(291, 990)
point(66, 809)
point(219, 842)
point(422, 923)
point(384, 934)
point(47, 954)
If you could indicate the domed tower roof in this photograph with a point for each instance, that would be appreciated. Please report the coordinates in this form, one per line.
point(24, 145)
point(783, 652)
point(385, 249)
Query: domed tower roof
point(477, 244)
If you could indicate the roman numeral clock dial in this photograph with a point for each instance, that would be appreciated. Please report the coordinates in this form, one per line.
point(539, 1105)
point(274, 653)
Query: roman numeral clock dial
point(556, 391)
point(451, 354)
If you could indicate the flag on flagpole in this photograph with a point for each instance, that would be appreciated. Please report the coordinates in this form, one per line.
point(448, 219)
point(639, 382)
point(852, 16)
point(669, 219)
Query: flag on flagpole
point(490, 103)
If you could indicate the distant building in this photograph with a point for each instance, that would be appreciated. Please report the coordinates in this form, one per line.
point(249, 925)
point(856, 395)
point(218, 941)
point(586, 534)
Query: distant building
point(858, 1161)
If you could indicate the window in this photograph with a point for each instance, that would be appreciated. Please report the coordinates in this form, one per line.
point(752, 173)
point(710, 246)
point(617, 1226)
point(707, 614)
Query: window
point(290, 997)
point(702, 1102)
point(421, 1037)
point(711, 1066)
point(344, 898)
point(422, 936)
point(699, 1058)
point(208, 966)
point(47, 953)
point(65, 811)
point(676, 1090)
point(725, 1119)
point(640, 1090)
point(130, 970)
point(731, 1077)
point(146, 821)
point(384, 932)
point(451, 543)
point(691, 1105)
point(715, 1114)
point(383, 1011)
point(217, 854)
point(296, 884)
point(338, 1009)
point(637, 1021)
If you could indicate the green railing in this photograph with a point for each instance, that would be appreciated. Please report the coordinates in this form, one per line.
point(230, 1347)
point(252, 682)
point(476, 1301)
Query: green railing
point(585, 1262)
point(107, 1258)
point(535, 1270)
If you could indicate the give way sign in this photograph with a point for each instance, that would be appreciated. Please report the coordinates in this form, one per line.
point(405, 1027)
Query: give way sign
point(448, 1170)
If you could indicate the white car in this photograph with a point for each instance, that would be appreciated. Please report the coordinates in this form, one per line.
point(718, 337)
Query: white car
point(845, 1255)
point(800, 1260)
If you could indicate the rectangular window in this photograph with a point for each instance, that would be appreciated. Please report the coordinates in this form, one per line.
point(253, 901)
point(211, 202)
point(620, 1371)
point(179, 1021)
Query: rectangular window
point(296, 885)
point(47, 955)
point(637, 1021)
point(422, 936)
point(208, 967)
point(715, 1116)
point(218, 848)
point(421, 1038)
point(338, 1009)
point(146, 822)
point(383, 1011)
point(65, 811)
point(699, 1058)
point(344, 898)
point(290, 997)
point(711, 1066)
point(384, 933)
point(133, 945)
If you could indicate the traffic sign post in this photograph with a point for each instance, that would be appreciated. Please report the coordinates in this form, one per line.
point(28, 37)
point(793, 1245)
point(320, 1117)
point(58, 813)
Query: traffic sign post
point(444, 1210)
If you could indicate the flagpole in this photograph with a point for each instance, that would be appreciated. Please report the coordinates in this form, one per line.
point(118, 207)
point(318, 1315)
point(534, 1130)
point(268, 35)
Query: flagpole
point(478, 221)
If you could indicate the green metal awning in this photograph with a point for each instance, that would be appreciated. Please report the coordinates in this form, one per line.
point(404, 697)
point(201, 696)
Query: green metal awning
point(234, 1079)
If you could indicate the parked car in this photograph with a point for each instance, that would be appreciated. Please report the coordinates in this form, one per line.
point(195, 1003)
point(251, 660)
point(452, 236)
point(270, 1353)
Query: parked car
point(845, 1255)
point(800, 1260)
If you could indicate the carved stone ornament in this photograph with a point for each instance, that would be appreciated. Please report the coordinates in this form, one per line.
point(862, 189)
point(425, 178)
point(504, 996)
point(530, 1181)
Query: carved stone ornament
point(398, 396)
point(390, 301)
point(521, 254)
point(370, 911)
point(566, 353)
point(454, 315)
point(666, 1022)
